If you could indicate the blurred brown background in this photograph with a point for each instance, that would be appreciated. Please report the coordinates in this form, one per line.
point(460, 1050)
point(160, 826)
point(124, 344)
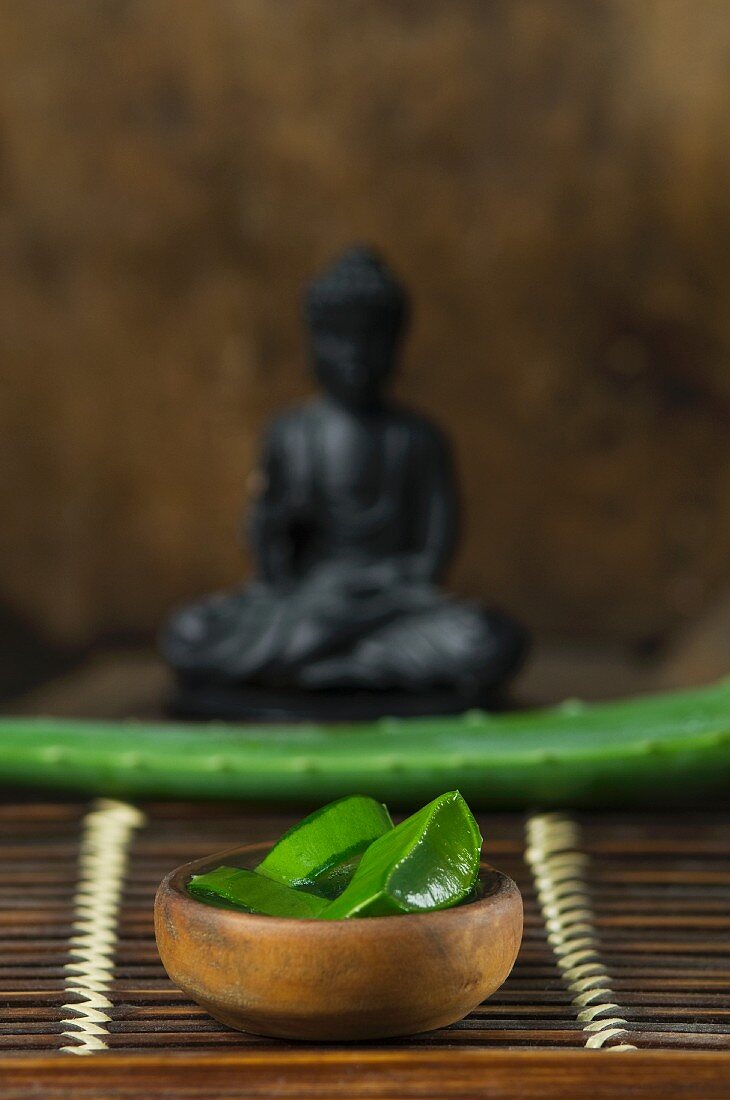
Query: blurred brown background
point(550, 177)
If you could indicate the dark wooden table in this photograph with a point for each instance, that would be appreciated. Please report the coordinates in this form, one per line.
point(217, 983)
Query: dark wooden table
point(622, 983)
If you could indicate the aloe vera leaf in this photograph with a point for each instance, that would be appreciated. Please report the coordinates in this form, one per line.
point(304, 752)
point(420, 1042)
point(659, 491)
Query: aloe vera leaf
point(429, 861)
point(331, 884)
point(662, 748)
point(242, 889)
point(320, 848)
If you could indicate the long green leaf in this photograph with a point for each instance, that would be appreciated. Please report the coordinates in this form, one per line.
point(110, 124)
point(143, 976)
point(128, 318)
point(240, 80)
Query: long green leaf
point(661, 748)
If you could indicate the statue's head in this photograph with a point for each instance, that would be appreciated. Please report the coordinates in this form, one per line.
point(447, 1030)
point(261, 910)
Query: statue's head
point(356, 311)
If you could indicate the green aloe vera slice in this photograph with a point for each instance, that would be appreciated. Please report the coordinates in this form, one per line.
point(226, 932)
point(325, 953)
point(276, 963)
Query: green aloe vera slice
point(320, 852)
point(429, 861)
point(242, 889)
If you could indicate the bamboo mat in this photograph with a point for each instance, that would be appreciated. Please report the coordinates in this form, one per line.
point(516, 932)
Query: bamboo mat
point(627, 931)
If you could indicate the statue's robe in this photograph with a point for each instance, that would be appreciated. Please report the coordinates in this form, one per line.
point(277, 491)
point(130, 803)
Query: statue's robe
point(351, 532)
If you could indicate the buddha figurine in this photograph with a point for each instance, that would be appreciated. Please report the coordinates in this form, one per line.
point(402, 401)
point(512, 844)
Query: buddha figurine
point(352, 528)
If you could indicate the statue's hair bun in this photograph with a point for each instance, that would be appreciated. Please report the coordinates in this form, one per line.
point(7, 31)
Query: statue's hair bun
point(359, 276)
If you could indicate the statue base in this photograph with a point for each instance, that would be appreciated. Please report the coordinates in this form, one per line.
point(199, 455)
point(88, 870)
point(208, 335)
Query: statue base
point(211, 702)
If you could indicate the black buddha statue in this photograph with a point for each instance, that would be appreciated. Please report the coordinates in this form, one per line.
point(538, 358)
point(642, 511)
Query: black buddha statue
point(352, 529)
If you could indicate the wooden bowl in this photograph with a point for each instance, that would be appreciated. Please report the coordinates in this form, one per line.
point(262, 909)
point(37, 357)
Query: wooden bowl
point(370, 978)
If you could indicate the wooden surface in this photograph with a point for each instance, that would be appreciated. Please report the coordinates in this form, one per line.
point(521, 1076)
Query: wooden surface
point(659, 887)
point(492, 1075)
point(552, 180)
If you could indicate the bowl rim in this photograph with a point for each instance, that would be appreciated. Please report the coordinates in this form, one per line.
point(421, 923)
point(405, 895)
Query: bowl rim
point(175, 883)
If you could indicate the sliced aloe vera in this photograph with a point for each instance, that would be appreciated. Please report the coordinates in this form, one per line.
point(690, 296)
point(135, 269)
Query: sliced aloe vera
point(320, 852)
point(429, 861)
point(242, 889)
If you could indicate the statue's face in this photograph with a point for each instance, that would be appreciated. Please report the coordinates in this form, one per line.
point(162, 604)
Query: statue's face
point(354, 355)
